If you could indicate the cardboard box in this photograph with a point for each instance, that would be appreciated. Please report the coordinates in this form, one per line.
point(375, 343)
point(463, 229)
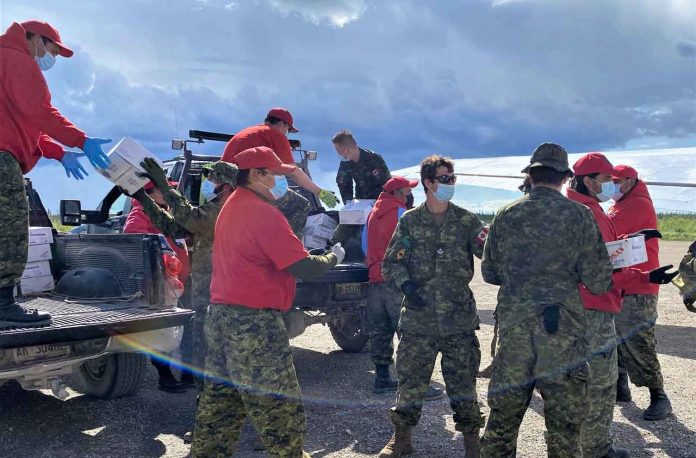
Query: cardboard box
point(321, 219)
point(40, 235)
point(37, 269)
point(39, 253)
point(37, 284)
point(313, 241)
point(627, 252)
point(320, 231)
point(126, 157)
point(356, 212)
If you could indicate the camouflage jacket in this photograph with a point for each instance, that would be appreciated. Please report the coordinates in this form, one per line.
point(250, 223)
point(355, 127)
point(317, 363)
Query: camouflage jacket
point(199, 224)
point(439, 259)
point(538, 250)
point(369, 174)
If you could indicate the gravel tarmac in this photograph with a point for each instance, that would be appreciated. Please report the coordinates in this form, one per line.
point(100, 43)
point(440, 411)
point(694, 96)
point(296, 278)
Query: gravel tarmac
point(345, 418)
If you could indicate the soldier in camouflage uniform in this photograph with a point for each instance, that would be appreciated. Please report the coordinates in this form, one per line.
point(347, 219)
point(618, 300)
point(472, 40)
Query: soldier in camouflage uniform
point(362, 166)
point(539, 248)
point(430, 258)
point(686, 281)
point(249, 366)
point(199, 223)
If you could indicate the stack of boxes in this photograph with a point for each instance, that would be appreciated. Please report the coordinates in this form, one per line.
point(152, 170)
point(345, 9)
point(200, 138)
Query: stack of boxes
point(356, 211)
point(318, 230)
point(37, 276)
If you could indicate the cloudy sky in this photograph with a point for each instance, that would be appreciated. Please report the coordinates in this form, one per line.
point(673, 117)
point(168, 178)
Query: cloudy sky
point(409, 78)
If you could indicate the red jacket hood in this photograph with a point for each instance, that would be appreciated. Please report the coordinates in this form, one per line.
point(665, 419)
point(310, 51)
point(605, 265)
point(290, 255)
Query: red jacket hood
point(15, 37)
point(380, 228)
point(605, 225)
point(639, 191)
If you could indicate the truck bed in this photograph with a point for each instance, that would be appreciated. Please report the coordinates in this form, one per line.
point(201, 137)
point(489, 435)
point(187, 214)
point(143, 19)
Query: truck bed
point(74, 321)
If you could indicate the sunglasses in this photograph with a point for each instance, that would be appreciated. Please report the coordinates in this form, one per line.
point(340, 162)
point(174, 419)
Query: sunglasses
point(446, 179)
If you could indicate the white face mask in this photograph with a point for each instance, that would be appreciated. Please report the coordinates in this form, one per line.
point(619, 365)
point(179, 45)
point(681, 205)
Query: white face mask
point(46, 61)
point(606, 192)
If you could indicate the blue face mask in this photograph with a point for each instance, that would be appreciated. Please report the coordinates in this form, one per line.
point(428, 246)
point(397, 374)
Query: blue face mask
point(280, 188)
point(208, 190)
point(444, 192)
point(617, 193)
point(47, 61)
point(607, 190)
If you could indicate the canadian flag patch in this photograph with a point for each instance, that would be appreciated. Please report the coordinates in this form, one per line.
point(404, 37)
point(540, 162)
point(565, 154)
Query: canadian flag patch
point(481, 237)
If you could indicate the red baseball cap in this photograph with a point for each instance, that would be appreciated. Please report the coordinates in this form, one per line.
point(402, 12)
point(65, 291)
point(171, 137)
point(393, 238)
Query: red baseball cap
point(47, 30)
point(395, 183)
point(624, 171)
point(261, 157)
point(593, 163)
point(283, 115)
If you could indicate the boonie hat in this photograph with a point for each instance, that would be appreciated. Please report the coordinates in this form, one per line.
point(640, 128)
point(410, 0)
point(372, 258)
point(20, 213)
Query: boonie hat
point(593, 163)
point(262, 157)
point(549, 155)
point(47, 30)
point(221, 172)
point(624, 171)
point(395, 183)
point(283, 115)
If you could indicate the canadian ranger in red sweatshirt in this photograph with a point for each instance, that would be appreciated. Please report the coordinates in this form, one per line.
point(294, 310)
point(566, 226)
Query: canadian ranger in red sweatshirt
point(593, 184)
point(632, 211)
point(28, 125)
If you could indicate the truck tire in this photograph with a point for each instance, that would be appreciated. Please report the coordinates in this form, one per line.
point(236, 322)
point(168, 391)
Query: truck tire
point(349, 333)
point(113, 376)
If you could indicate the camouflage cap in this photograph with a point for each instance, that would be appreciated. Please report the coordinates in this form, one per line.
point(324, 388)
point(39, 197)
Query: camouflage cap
point(549, 155)
point(221, 172)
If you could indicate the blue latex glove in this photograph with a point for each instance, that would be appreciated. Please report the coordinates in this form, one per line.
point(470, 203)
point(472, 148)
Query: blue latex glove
point(94, 152)
point(72, 165)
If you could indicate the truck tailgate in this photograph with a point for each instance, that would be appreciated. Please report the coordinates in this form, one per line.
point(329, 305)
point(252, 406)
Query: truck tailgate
point(74, 321)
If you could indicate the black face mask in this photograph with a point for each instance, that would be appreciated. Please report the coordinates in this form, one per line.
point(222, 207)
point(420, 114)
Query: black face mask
point(409, 201)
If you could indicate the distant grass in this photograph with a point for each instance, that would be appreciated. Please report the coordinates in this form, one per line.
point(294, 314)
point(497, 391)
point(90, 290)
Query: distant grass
point(674, 226)
point(55, 220)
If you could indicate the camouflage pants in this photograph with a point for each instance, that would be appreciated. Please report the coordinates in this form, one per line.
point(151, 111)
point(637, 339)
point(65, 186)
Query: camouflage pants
point(595, 434)
point(250, 372)
point(295, 208)
point(527, 357)
point(635, 326)
point(198, 343)
point(415, 360)
point(383, 310)
point(14, 221)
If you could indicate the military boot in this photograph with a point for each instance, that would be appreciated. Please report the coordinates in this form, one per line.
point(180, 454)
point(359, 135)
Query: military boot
point(13, 315)
point(472, 445)
point(659, 406)
point(434, 393)
point(384, 383)
point(399, 444)
point(617, 453)
point(623, 392)
point(486, 373)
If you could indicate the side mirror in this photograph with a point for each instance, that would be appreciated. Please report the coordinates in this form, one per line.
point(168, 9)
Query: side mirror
point(177, 145)
point(311, 155)
point(70, 212)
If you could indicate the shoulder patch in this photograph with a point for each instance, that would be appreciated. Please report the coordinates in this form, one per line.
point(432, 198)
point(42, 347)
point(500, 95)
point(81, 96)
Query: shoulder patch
point(401, 253)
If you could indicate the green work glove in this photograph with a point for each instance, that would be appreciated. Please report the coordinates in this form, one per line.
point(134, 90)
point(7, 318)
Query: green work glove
point(155, 173)
point(328, 197)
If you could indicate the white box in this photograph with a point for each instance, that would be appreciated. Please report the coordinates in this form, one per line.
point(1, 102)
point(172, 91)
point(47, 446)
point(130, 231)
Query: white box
point(37, 269)
point(40, 235)
point(627, 252)
point(356, 212)
point(37, 284)
point(126, 157)
point(312, 241)
point(321, 219)
point(39, 253)
point(320, 231)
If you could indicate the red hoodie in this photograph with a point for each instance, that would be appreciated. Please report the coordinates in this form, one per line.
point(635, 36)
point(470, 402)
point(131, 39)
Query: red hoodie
point(138, 222)
point(28, 121)
point(633, 212)
point(625, 278)
point(380, 227)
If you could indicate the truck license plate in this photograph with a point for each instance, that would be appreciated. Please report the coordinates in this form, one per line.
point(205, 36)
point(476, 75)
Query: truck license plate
point(40, 352)
point(348, 290)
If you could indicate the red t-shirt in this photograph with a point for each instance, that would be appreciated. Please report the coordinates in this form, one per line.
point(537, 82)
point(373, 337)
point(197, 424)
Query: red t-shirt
point(261, 135)
point(253, 245)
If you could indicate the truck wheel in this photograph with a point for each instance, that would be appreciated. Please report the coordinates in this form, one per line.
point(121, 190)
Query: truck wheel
point(349, 333)
point(113, 376)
